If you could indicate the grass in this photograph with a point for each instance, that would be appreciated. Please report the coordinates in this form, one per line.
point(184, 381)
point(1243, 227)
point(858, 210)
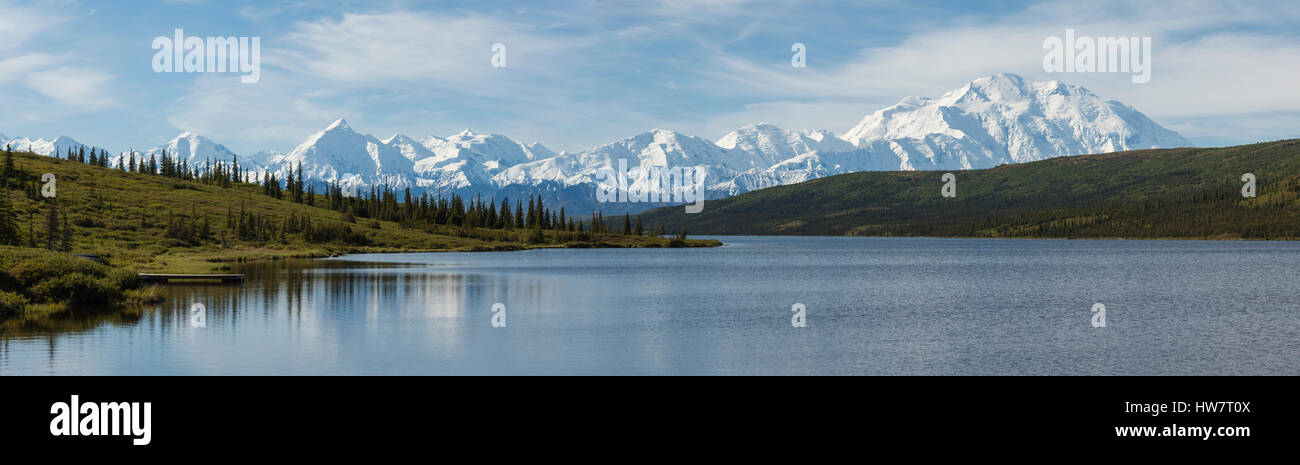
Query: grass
point(123, 218)
point(1190, 193)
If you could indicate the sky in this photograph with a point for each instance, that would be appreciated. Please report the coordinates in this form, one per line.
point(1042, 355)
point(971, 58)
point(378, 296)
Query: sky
point(584, 73)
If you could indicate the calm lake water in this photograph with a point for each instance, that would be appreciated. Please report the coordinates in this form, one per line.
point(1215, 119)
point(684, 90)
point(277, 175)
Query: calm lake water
point(874, 306)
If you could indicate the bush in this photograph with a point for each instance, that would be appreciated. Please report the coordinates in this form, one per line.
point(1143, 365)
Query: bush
point(37, 283)
point(78, 289)
point(32, 270)
point(125, 279)
point(11, 304)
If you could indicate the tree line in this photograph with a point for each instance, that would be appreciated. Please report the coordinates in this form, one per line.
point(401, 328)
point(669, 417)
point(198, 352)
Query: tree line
point(528, 221)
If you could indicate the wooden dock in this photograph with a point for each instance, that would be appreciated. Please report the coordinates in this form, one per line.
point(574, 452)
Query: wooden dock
point(163, 277)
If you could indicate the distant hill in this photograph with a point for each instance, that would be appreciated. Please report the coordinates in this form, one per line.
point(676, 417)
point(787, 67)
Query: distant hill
point(1166, 193)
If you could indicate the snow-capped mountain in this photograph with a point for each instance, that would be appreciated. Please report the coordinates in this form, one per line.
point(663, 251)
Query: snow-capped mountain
point(469, 161)
point(194, 149)
point(354, 160)
point(59, 146)
point(1005, 119)
point(990, 121)
point(771, 145)
point(411, 149)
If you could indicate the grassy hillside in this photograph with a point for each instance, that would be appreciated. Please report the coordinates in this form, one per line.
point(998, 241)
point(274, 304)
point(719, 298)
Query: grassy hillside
point(1174, 193)
point(145, 222)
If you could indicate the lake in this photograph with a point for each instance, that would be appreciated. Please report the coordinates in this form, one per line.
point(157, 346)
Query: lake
point(873, 306)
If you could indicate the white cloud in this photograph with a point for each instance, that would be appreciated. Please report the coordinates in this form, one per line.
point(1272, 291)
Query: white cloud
point(1196, 73)
point(18, 24)
point(1210, 59)
point(78, 88)
point(75, 87)
point(453, 50)
point(17, 68)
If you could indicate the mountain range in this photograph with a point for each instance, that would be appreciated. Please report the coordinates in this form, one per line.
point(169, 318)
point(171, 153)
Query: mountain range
point(991, 121)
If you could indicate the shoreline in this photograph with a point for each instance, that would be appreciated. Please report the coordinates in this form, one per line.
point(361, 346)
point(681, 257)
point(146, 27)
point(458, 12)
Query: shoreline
point(1036, 238)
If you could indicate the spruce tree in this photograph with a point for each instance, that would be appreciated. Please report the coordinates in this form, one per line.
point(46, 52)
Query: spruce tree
point(65, 242)
point(8, 170)
point(8, 225)
point(52, 225)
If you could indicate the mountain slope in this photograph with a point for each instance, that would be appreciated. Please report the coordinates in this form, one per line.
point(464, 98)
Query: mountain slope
point(1169, 193)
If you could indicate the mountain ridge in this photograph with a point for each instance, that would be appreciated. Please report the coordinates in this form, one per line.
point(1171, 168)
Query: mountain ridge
point(990, 121)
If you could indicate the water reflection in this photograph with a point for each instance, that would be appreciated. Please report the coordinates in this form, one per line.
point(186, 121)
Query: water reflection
point(875, 306)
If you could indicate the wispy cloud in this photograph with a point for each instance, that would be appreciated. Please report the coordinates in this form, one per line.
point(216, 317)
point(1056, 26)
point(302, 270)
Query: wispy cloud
point(582, 74)
point(1201, 50)
point(77, 88)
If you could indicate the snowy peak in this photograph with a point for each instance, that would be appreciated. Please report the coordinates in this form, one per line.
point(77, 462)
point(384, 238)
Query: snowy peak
point(410, 148)
point(338, 124)
point(58, 147)
point(770, 145)
point(492, 149)
point(993, 120)
point(1004, 118)
point(432, 141)
point(661, 147)
point(196, 149)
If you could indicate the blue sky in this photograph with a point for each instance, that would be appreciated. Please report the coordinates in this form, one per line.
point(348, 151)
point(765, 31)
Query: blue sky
point(584, 73)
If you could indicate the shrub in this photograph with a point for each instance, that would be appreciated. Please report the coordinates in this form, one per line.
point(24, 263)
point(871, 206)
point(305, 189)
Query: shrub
point(36, 283)
point(11, 304)
point(76, 288)
point(536, 237)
